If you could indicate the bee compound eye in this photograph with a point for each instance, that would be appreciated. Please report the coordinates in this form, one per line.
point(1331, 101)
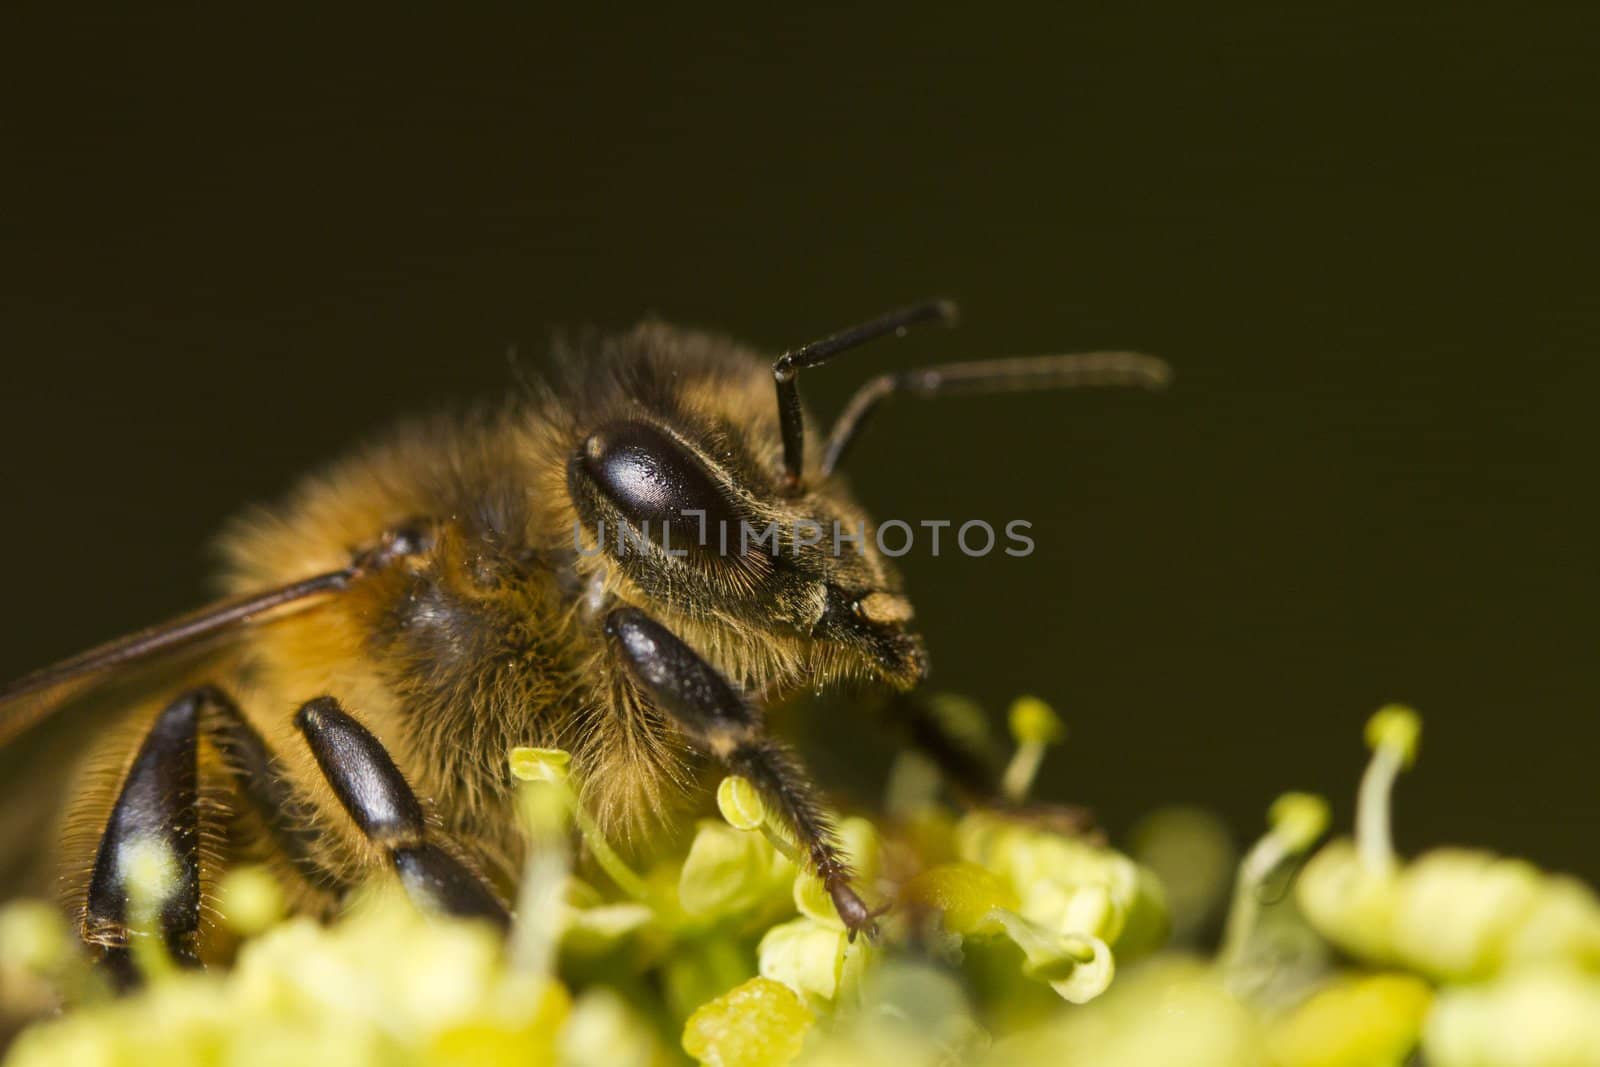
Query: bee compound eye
point(656, 483)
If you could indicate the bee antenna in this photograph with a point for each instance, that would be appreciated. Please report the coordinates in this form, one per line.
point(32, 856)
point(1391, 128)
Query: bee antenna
point(786, 370)
point(1028, 374)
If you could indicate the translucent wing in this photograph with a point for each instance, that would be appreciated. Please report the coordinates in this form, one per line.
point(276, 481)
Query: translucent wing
point(35, 697)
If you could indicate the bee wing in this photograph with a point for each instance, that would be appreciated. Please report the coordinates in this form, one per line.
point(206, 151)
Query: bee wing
point(36, 696)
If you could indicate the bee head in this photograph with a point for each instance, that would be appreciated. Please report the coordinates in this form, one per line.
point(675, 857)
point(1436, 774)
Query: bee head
point(689, 502)
point(723, 505)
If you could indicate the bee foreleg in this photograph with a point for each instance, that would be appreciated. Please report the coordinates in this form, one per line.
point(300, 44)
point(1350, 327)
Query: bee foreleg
point(711, 712)
point(159, 802)
point(384, 808)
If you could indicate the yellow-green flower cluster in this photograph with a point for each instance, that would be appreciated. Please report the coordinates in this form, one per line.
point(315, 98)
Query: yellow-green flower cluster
point(731, 951)
point(1006, 940)
point(383, 985)
point(1512, 951)
point(1452, 914)
point(1067, 905)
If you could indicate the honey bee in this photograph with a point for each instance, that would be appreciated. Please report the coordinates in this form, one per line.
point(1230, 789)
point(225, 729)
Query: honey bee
point(414, 612)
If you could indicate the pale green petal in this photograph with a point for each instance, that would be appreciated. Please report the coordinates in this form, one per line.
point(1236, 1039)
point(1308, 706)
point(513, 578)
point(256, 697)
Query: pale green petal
point(602, 1029)
point(740, 803)
point(1537, 1019)
point(1357, 1021)
point(1457, 909)
point(1078, 967)
point(1348, 902)
point(804, 955)
point(727, 871)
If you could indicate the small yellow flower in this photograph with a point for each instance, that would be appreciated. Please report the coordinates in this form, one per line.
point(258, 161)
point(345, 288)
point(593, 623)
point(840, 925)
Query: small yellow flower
point(730, 872)
point(740, 803)
point(1078, 967)
point(541, 764)
point(761, 1023)
point(804, 955)
point(1034, 726)
point(250, 900)
point(1298, 819)
point(1033, 722)
point(1397, 727)
point(1355, 1021)
point(1348, 902)
point(1538, 1019)
point(964, 893)
point(33, 937)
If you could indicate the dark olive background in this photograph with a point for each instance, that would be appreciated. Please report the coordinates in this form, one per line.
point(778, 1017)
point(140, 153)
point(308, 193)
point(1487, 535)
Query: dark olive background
point(234, 245)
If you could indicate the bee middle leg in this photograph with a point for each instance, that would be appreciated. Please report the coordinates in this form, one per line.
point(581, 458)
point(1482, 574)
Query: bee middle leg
point(159, 802)
point(387, 812)
point(287, 814)
point(709, 710)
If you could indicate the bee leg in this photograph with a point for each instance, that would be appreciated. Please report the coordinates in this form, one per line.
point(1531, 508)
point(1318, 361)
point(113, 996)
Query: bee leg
point(967, 770)
point(376, 795)
point(711, 712)
point(289, 817)
point(159, 803)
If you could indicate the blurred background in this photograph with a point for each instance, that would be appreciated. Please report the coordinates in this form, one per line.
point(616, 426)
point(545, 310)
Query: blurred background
point(233, 246)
